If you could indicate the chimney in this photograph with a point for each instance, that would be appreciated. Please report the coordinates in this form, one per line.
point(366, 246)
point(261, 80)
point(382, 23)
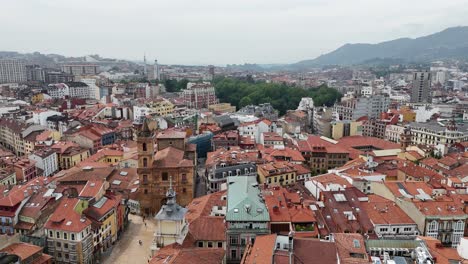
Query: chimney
point(290, 247)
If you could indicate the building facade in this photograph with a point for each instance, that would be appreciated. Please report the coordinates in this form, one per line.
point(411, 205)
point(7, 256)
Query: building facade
point(12, 71)
point(421, 89)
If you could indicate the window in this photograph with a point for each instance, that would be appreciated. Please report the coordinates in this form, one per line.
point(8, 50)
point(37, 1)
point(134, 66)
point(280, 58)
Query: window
point(72, 236)
point(57, 235)
point(184, 178)
point(407, 229)
point(200, 244)
point(59, 255)
point(144, 147)
point(65, 236)
point(145, 178)
point(220, 244)
point(58, 244)
point(65, 245)
point(146, 191)
point(165, 176)
point(67, 256)
point(51, 234)
point(145, 162)
point(210, 244)
point(184, 190)
point(233, 254)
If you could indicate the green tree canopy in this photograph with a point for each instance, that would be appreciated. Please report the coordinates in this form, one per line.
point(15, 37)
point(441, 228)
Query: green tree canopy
point(283, 97)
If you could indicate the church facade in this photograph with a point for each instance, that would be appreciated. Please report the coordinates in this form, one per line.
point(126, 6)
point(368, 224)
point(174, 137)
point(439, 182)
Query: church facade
point(161, 158)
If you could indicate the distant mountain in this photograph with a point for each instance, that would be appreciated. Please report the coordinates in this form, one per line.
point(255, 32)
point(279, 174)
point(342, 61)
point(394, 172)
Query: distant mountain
point(451, 43)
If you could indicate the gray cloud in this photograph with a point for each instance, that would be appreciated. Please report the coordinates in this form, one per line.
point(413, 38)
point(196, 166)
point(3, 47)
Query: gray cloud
point(216, 31)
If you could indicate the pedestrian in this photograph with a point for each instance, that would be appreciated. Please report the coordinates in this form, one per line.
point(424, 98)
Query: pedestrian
point(145, 224)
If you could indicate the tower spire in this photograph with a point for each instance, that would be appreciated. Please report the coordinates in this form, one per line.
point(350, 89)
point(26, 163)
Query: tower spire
point(145, 70)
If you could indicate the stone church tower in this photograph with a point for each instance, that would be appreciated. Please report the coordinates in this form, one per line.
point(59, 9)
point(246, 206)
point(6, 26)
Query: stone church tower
point(172, 160)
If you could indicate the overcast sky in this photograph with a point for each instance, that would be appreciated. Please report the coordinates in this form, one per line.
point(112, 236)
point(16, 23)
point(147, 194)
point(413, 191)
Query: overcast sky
point(216, 31)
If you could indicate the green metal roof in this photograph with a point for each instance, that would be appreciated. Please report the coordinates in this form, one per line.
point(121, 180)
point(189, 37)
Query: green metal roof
point(393, 243)
point(244, 201)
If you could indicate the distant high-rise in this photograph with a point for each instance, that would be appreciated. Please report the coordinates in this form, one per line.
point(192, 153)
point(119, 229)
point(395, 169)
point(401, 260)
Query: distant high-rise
point(12, 71)
point(421, 89)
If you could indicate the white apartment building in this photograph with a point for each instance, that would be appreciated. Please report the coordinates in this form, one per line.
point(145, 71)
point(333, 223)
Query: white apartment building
point(71, 89)
point(46, 160)
point(393, 132)
point(435, 133)
point(12, 71)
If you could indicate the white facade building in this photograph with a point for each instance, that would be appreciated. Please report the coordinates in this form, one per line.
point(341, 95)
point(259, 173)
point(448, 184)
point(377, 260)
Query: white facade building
point(12, 71)
point(46, 160)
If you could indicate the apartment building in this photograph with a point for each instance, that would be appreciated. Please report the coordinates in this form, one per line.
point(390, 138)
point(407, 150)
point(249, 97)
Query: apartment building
point(80, 69)
point(199, 95)
point(69, 234)
point(223, 163)
point(370, 106)
point(435, 133)
point(12, 71)
point(322, 154)
point(246, 216)
point(46, 161)
point(421, 88)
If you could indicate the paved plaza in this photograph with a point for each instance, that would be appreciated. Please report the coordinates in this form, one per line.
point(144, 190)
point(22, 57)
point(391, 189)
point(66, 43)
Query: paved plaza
point(127, 249)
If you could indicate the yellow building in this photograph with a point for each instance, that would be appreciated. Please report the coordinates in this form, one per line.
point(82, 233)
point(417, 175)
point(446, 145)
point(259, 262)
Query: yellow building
point(107, 155)
point(345, 128)
point(161, 107)
point(70, 154)
point(222, 108)
point(407, 114)
point(37, 98)
point(276, 173)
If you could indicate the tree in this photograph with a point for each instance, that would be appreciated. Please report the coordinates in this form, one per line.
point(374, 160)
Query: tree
point(245, 101)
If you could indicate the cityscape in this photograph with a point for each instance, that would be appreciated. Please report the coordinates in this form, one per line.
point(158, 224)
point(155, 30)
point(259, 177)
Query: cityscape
point(358, 156)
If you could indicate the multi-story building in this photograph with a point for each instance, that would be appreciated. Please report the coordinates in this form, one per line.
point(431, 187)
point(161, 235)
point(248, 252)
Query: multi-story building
point(25, 169)
point(157, 107)
point(173, 158)
point(7, 176)
point(46, 160)
point(222, 108)
point(393, 132)
point(421, 89)
point(54, 76)
point(69, 234)
point(69, 154)
point(223, 162)
point(226, 139)
point(345, 128)
point(277, 173)
point(433, 133)
point(370, 106)
point(103, 214)
point(80, 69)
point(35, 73)
point(321, 121)
point(12, 71)
point(437, 215)
point(70, 89)
point(322, 154)
point(199, 95)
point(246, 217)
point(389, 220)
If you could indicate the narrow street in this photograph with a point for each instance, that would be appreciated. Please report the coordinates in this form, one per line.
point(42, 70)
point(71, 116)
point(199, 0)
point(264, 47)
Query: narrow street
point(127, 249)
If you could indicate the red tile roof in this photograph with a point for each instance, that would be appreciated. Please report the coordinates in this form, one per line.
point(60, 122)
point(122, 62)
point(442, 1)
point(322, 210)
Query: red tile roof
point(22, 250)
point(65, 218)
point(382, 211)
